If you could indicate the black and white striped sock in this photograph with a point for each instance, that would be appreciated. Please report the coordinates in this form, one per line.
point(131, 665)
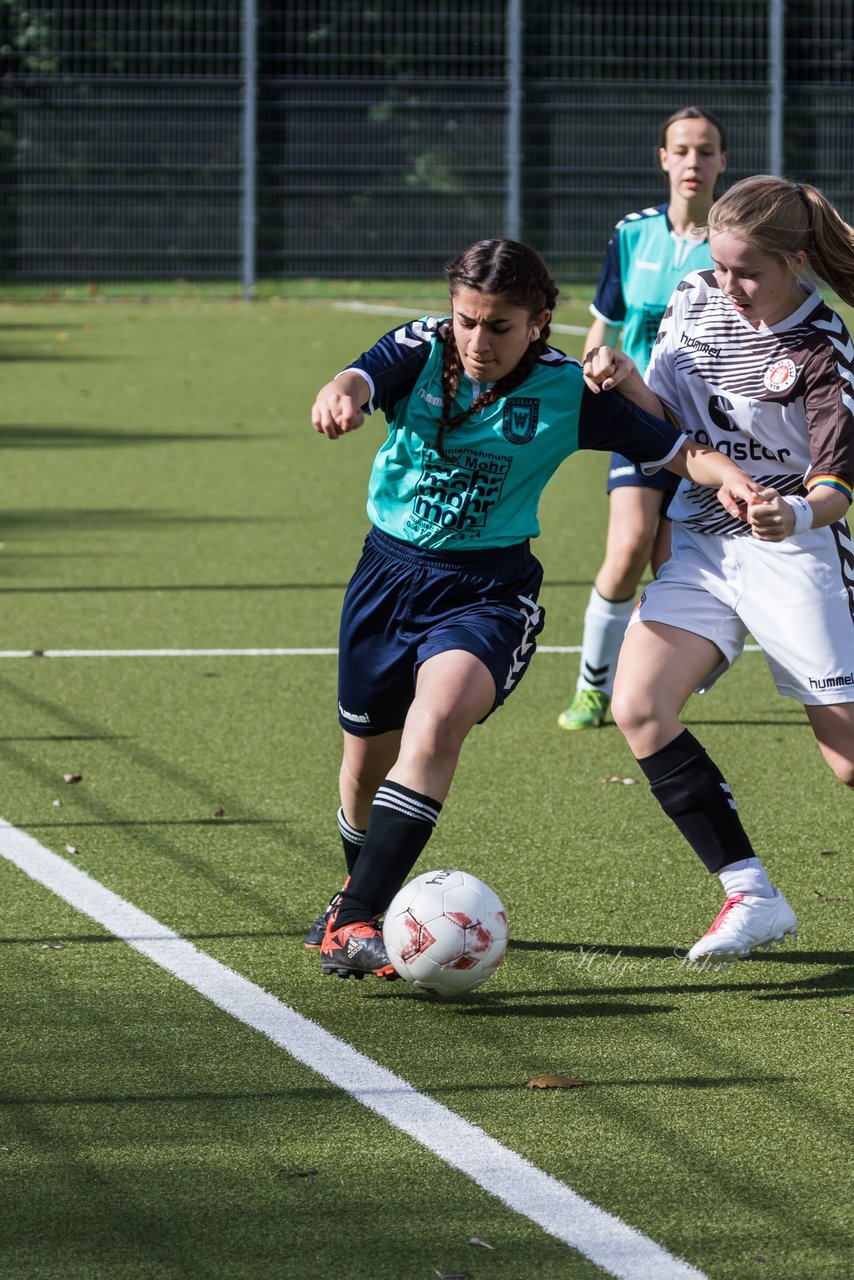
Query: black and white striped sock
point(352, 839)
point(400, 825)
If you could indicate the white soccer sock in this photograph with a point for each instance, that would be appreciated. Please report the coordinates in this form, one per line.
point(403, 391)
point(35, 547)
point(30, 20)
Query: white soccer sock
point(605, 624)
point(747, 876)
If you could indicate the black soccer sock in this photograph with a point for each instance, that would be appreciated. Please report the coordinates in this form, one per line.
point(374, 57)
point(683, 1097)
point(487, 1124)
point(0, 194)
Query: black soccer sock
point(693, 792)
point(400, 825)
point(352, 839)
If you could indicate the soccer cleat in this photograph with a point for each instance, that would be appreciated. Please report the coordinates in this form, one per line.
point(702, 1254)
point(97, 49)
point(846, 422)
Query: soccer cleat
point(745, 921)
point(355, 949)
point(586, 711)
point(317, 928)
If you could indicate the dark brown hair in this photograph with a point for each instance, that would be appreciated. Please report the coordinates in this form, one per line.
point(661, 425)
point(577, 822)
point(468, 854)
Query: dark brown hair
point(516, 272)
point(692, 113)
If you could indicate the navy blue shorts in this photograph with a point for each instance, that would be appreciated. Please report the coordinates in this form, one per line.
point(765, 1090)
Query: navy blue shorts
point(625, 473)
point(405, 604)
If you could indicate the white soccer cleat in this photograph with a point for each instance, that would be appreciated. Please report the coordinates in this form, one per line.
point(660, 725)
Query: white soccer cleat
point(745, 921)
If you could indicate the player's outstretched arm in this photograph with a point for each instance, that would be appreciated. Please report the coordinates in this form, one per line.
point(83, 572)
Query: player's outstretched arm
point(708, 467)
point(337, 407)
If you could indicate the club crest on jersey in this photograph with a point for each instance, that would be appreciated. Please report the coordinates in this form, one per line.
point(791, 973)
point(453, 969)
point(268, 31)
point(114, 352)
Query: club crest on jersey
point(781, 376)
point(520, 420)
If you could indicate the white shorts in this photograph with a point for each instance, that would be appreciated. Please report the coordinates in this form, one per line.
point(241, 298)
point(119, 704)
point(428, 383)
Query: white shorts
point(795, 597)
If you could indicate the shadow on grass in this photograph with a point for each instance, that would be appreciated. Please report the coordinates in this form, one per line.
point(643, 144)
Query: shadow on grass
point(792, 723)
point(38, 324)
point(64, 737)
point(600, 960)
point(588, 952)
point(26, 436)
point(519, 1004)
point(825, 985)
point(161, 588)
point(68, 824)
point(70, 939)
point(321, 1092)
point(85, 519)
point(50, 357)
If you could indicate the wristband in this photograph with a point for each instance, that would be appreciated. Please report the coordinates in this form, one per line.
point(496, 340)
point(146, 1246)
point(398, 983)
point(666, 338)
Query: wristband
point(803, 514)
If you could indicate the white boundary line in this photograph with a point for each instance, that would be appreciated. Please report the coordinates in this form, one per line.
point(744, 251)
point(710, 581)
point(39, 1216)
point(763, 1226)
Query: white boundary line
point(384, 309)
point(231, 653)
point(163, 653)
point(603, 1238)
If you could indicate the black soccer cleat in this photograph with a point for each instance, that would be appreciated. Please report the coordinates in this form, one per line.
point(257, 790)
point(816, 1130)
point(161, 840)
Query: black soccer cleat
point(354, 950)
point(317, 928)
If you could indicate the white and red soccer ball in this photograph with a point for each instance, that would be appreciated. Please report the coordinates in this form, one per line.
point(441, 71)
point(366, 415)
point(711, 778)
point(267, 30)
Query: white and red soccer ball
point(446, 931)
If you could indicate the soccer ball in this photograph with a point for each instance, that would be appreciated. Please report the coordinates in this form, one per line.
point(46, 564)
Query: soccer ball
point(446, 931)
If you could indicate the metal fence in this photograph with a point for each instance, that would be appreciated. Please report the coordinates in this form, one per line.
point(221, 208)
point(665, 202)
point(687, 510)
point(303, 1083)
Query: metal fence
point(241, 139)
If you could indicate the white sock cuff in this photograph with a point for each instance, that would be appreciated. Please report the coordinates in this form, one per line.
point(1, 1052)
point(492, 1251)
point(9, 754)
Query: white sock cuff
point(610, 608)
point(747, 876)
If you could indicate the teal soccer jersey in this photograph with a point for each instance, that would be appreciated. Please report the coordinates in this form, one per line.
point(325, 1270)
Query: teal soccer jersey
point(644, 262)
point(486, 491)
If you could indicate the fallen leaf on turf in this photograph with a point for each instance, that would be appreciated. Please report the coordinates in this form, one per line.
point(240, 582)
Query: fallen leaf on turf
point(70, 848)
point(827, 853)
point(482, 1244)
point(846, 1010)
point(294, 1173)
point(553, 1080)
point(828, 897)
point(220, 812)
point(72, 777)
point(627, 782)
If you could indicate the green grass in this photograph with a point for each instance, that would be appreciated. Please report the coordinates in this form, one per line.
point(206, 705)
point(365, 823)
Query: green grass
point(309, 289)
point(163, 489)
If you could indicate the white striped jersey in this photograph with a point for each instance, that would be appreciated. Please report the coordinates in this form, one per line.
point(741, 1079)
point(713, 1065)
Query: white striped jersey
point(778, 401)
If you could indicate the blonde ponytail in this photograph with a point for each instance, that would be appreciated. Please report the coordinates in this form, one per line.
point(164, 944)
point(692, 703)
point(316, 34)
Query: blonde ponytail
point(785, 219)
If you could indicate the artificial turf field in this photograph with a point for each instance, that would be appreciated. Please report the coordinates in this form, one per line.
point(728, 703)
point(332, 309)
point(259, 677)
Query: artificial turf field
point(163, 490)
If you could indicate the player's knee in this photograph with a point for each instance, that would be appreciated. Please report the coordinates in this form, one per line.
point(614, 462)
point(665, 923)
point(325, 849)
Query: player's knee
point(362, 773)
point(844, 770)
point(623, 569)
point(840, 762)
point(631, 711)
point(443, 735)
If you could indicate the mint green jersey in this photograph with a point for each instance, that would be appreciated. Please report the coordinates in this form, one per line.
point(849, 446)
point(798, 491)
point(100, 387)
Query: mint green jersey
point(644, 262)
point(486, 492)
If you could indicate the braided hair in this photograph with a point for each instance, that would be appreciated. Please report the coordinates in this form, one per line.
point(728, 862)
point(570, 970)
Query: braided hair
point(515, 272)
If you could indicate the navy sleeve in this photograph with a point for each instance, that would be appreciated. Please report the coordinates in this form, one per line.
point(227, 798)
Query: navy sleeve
point(393, 364)
point(608, 301)
point(609, 421)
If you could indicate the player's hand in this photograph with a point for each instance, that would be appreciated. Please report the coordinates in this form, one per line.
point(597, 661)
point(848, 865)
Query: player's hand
point(604, 368)
point(334, 412)
point(771, 519)
point(735, 496)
